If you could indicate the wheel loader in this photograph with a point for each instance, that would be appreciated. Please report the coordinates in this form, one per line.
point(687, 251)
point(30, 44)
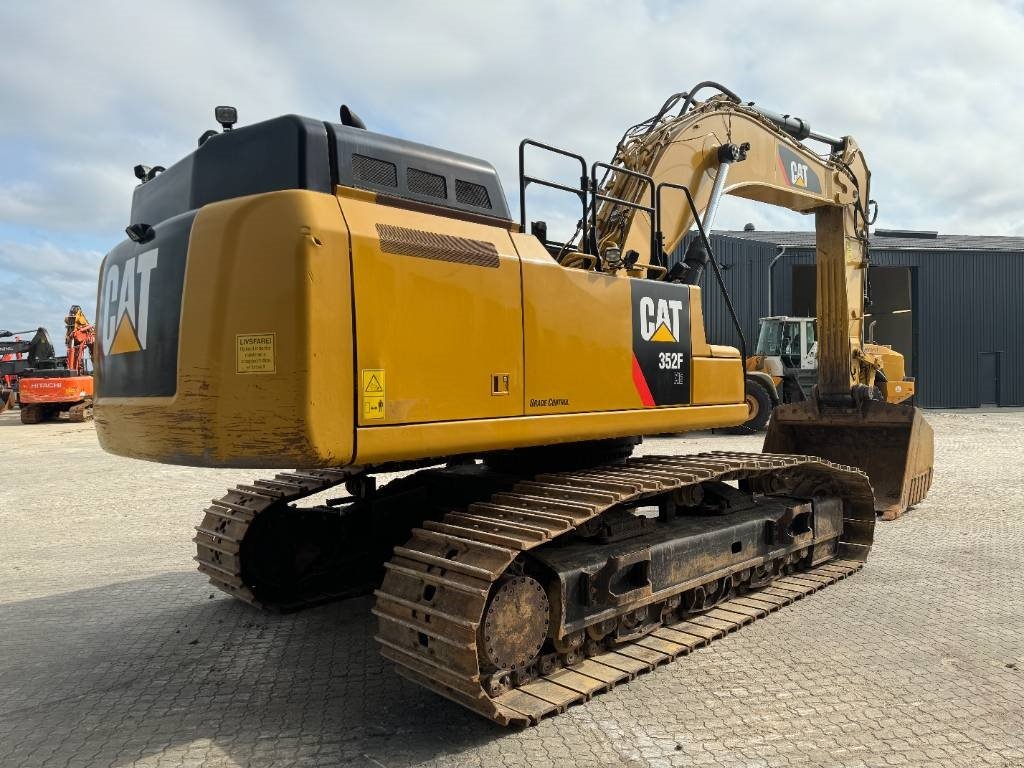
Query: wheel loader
point(784, 369)
point(310, 294)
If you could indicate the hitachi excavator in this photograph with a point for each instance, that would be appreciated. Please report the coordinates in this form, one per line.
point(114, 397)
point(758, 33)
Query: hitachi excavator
point(61, 385)
point(311, 294)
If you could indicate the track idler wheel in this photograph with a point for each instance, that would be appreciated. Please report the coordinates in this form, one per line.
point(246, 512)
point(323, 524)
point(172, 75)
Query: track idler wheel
point(514, 626)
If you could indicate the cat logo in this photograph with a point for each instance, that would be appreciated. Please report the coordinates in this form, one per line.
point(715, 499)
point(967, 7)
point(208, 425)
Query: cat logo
point(660, 365)
point(124, 304)
point(659, 319)
point(796, 172)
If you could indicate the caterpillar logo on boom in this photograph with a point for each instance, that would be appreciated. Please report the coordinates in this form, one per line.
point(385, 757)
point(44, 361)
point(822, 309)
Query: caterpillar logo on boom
point(124, 304)
point(796, 172)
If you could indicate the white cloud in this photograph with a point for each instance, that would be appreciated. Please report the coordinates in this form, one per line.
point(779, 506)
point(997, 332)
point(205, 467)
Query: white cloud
point(39, 282)
point(931, 91)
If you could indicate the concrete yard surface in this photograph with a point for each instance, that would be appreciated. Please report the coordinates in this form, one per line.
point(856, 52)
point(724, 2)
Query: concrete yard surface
point(114, 651)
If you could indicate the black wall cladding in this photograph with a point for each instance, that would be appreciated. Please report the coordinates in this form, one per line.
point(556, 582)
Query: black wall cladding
point(966, 302)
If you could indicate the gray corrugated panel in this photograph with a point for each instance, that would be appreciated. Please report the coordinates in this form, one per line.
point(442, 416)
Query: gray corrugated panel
point(743, 266)
point(966, 303)
point(982, 243)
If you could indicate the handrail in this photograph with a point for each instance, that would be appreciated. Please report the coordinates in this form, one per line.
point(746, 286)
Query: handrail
point(596, 196)
point(525, 180)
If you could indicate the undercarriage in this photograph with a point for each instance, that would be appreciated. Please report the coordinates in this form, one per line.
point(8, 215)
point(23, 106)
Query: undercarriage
point(35, 413)
point(516, 595)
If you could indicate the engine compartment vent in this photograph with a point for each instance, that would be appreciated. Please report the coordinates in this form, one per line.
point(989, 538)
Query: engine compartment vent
point(375, 171)
point(425, 183)
point(468, 193)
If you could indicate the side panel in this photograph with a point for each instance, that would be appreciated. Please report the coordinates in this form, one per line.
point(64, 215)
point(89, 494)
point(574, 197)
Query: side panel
point(717, 381)
point(597, 342)
point(67, 389)
point(263, 374)
point(578, 337)
point(578, 331)
point(438, 316)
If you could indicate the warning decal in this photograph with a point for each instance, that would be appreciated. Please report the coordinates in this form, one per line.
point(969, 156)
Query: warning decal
point(254, 353)
point(661, 342)
point(373, 393)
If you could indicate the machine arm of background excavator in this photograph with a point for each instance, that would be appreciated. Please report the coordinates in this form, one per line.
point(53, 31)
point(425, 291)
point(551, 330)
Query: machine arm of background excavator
point(722, 146)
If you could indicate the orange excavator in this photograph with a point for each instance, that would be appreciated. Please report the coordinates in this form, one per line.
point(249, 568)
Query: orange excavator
point(49, 388)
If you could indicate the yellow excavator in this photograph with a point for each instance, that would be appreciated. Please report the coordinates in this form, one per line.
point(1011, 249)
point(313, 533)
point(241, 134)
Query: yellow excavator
point(300, 293)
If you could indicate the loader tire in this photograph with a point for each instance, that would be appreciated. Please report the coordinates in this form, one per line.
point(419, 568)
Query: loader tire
point(759, 405)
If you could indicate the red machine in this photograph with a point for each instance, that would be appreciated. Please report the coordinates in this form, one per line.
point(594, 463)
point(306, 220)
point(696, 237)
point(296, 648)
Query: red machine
point(8, 377)
point(50, 389)
point(18, 356)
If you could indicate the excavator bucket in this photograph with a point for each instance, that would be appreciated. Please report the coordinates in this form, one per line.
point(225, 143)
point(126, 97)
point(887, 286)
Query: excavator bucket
point(893, 444)
point(6, 398)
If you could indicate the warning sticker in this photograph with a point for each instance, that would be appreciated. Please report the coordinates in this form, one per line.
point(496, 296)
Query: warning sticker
point(254, 353)
point(373, 393)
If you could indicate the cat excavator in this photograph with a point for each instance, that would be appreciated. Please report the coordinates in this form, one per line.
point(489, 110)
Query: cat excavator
point(312, 294)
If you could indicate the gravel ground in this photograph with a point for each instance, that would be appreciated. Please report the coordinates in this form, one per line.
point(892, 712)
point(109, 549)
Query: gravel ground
point(114, 651)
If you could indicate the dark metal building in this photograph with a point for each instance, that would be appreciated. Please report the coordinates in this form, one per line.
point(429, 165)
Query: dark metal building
point(951, 304)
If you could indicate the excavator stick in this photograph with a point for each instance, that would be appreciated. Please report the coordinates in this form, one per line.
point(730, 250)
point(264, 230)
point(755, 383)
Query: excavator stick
point(892, 444)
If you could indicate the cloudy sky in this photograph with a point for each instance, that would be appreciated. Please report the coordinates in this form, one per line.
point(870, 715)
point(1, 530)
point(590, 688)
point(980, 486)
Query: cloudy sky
point(934, 92)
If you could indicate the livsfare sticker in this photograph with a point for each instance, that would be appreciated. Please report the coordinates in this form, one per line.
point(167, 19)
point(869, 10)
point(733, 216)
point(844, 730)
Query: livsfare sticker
point(254, 353)
point(373, 393)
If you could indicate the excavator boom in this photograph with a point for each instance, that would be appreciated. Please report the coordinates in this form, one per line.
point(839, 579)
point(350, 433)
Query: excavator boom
point(846, 420)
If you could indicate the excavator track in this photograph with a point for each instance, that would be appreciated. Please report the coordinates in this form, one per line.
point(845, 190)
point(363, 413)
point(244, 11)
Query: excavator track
point(80, 411)
point(256, 544)
point(228, 519)
point(433, 599)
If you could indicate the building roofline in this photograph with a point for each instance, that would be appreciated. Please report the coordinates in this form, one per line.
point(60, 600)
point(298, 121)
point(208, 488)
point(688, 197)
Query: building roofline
point(805, 240)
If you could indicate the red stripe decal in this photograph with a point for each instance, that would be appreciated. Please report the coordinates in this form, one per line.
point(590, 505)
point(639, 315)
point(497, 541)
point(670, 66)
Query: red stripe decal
point(641, 384)
point(782, 167)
